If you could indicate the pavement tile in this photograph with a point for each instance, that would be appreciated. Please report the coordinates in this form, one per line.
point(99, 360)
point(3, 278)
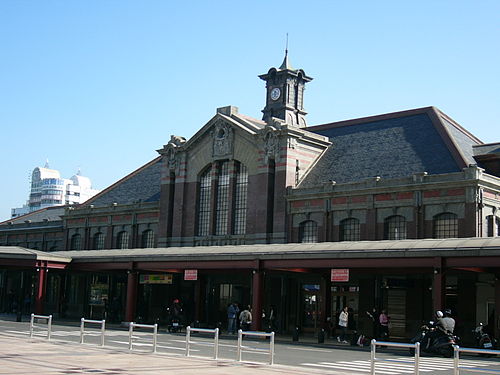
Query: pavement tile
point(20, 355)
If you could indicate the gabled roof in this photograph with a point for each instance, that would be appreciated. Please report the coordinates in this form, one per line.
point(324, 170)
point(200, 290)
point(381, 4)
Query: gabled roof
point(143, 184)
point(392, 145)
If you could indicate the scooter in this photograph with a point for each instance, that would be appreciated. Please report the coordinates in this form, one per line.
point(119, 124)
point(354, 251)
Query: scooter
point(433, 340)
point(174, 322)
point(483, 339)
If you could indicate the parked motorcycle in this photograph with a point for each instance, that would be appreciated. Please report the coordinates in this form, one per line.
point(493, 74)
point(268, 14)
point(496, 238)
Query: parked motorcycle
point(483, 339)
point(174, 321)
point(433, 340)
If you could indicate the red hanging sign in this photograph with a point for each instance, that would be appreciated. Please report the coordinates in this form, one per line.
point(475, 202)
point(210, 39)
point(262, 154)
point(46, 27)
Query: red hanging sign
point(190, 274)
point(340, 274)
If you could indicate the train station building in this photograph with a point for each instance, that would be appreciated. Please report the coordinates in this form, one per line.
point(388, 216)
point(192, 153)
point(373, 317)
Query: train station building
point(398, 211)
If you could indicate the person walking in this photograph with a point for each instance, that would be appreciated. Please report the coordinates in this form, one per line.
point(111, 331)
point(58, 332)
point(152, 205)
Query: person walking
point(232, 314)
point(246, 319)
point(343, 320)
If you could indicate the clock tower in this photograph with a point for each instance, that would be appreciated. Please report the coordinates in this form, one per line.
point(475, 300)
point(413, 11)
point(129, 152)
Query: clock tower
point(285, 94)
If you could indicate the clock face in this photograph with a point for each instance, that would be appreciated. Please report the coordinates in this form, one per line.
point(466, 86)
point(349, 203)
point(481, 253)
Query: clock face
point(275, 93)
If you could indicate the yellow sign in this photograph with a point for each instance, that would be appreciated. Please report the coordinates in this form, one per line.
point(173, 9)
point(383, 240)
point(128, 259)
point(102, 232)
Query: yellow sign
point(156, 279)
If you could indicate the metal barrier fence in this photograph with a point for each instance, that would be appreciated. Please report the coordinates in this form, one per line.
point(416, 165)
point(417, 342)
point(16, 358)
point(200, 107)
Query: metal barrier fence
point(48, 318)
point(373, 358)
point(131, 331)
point(250, 349)
point(202, 330)
point(456, 359)
point(82, 328)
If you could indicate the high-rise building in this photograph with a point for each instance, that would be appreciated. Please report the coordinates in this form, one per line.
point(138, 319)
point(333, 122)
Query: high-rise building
point(49, 189)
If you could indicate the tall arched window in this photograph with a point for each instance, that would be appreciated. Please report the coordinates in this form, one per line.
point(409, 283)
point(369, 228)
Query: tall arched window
point(395, 228)
point(230, 193)
point(349, 230)
point(148, 239)
point(122, 240)
point(204, 203)
point(222, 208)
point(240, 200)
point(76, 242)
point(99, 241)
point(308, 231)
point(446, 225)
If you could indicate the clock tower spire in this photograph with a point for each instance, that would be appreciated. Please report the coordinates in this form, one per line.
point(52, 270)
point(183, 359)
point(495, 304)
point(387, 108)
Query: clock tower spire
point(285, 94)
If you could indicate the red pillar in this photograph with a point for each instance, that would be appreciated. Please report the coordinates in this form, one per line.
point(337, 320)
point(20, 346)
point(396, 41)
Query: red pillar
point(257, 292)
point(438, 289)
point(131, 302)
point(41, 290)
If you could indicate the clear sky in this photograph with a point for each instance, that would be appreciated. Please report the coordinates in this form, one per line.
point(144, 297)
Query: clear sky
point(101, 84)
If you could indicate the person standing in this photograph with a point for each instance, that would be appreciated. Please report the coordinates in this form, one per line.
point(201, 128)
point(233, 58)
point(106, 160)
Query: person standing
point(384, 325)
point(374, 319)
point(232, 314)
point(343, 320)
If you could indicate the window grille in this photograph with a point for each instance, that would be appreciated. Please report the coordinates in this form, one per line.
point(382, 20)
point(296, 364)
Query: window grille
point(349, 230)
point(122, 240)
point(240, 204)
point(308, 232)
point(76, 242)
point(446, 225)
point(222, 199)
point(148, 239)
point(99, 241)
point(204, 203)
point(395, 228)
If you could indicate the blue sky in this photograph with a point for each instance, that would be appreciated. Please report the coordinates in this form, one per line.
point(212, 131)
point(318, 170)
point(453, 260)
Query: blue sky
point(100, 85)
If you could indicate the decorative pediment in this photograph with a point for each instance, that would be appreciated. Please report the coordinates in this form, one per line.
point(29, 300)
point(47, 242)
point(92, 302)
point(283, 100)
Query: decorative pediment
point(222, 140)
point(271, 143)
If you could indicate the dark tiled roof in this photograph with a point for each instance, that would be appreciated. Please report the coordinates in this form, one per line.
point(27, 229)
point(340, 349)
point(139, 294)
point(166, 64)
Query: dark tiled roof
point(45, 214)
point(141, 185)
point(391, 146)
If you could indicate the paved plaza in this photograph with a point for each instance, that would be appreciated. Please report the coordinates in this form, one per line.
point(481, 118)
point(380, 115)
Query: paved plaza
point(37, 356)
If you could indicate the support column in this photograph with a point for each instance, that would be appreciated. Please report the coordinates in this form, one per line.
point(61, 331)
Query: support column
point(41, 289)
point(438, 289)
point(198, 300)
point(131, 302)
point(257, 293)
point(497, 306)
point(326, 302)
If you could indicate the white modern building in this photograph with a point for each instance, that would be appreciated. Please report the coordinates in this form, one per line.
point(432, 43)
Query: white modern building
point(49, 189)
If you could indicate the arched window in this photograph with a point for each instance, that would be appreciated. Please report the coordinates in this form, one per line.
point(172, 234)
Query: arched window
point(308, 231)
point(395, 228)
point(240, 200)
point(76, 242)
point(349, 230)
point(446, 225)
point(230, 184)
point(122, 240)
point(99, 241)
point(148, 239)
point(222, 208)
point(204, 203)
